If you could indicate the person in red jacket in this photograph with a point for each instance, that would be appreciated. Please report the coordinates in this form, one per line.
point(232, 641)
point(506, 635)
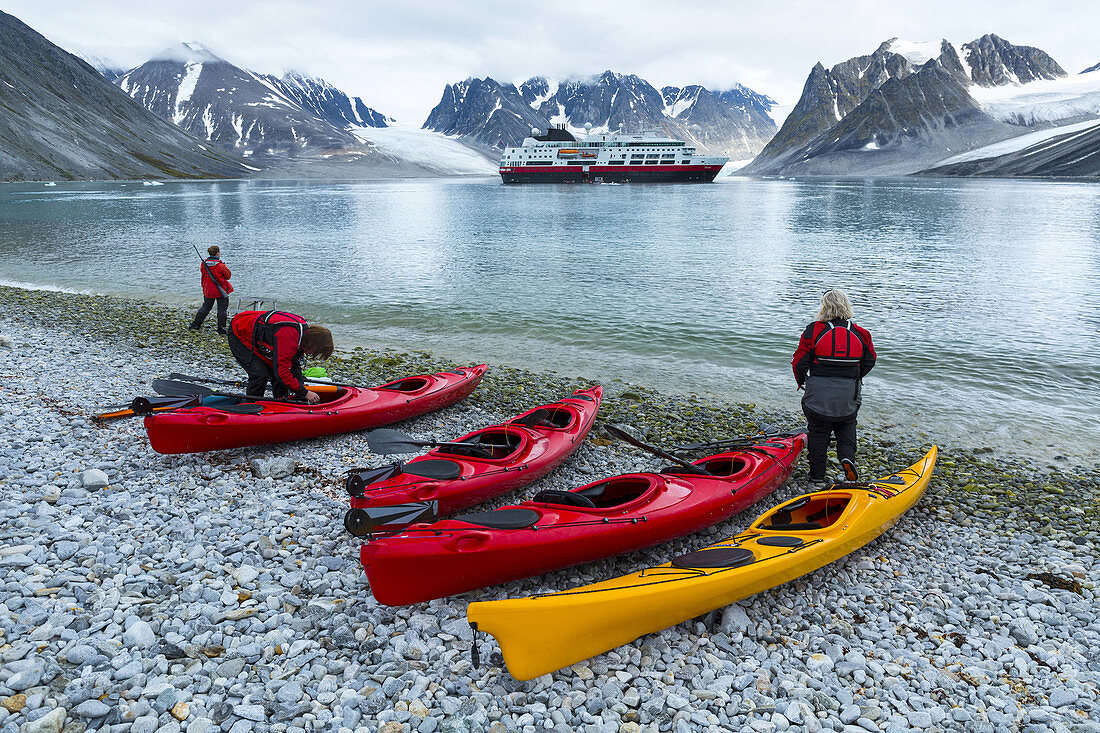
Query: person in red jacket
point(833, 356)
point(272, 346)
point(215, 288)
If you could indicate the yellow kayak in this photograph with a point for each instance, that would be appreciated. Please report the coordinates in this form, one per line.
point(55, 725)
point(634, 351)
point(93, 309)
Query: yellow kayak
point(546, 632)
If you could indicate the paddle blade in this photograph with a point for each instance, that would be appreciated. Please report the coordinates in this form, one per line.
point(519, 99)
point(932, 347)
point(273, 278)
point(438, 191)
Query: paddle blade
point(172, 387)
point(361, 522)
point(386, 441)
point(358, 481)
point(149, 405)
point(188, 378)
point(621, 434)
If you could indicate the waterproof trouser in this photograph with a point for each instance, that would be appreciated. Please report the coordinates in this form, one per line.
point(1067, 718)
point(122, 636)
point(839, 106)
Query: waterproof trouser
point(204, 309)
point(819, 431)
point(259, 373)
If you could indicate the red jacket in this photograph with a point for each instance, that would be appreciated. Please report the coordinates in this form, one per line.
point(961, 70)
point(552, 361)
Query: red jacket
point(275, 337)
point(214, 266)
point(804, 362)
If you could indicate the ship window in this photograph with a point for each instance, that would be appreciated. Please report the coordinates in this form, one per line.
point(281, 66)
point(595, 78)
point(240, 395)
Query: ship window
point(668, 162)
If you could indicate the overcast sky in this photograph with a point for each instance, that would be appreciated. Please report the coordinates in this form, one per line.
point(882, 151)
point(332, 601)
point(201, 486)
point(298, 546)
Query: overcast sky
point(399, 54)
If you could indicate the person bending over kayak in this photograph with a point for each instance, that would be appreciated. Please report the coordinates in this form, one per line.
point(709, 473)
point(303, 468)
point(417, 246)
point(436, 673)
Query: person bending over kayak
point(272, 346)
point(215, 287)
point(832, 358)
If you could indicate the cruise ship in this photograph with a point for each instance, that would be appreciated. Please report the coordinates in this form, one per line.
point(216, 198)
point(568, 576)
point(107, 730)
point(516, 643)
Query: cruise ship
point(648, 157)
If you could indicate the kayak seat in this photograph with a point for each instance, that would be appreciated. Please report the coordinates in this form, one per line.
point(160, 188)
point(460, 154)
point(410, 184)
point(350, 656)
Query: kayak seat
point(494, 444)
point(792, 527)
point(615, 492)
point(563, 498)
point(715, 557)
point(434, 468)
point(502, 518)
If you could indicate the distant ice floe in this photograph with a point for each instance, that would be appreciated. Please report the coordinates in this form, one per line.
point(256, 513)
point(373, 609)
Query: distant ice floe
point(426, 148)
point(1045, 100)
point(1015, 144)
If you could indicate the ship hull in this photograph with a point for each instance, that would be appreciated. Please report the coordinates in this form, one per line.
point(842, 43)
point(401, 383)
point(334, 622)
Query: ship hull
point(607, 174)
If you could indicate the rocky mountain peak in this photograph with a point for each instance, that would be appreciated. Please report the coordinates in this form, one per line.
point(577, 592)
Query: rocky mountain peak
point(1091, 69)
point(993, 61)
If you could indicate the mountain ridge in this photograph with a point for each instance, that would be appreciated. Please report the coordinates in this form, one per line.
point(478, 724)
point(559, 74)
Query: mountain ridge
point(497, 115)
point(64, 120)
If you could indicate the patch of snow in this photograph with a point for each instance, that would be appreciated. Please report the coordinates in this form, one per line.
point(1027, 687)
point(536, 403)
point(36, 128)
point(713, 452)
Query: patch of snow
point(426, 148)
point(917, 53)
point(1020, 142)
point(679, 105)
point(964, 59)
point(552, 89)
point(186, 89)
point(1044, 100)
point(250, 167)
point(836, 107)
point(871, 146)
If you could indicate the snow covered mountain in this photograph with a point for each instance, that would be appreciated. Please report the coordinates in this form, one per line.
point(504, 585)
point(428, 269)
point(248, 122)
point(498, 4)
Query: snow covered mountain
point(249, 113)
point(326, 101)
point(908, 106)
point(734, 121)
point(63, 121)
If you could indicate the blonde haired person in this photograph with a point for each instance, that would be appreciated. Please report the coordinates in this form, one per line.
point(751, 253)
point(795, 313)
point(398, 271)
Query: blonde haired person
point(833, 356)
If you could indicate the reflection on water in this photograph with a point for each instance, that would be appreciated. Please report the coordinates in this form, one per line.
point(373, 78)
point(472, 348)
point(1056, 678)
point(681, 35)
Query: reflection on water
point(983, 296)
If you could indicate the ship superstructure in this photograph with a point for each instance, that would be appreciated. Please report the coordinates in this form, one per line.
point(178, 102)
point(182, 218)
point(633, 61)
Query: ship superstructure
point(559, 157)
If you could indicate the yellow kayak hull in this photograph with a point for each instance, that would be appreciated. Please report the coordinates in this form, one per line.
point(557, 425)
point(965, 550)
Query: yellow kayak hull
point(546, 632)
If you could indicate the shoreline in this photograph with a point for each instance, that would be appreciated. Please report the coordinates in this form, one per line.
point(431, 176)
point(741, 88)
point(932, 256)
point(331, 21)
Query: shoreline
point(187, 581)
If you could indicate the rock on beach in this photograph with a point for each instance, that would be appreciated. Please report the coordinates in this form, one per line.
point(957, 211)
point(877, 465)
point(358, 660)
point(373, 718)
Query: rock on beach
point(197, 595)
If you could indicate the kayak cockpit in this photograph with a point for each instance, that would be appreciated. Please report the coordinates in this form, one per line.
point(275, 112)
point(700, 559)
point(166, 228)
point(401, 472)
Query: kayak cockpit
point(806, 513)
point(495, 445)
point(719, 467)
point(546, 417)
point(409, 384)
point(609, 494)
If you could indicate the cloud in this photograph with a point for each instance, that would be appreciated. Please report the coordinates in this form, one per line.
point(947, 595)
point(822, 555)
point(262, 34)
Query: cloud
point(399, 55)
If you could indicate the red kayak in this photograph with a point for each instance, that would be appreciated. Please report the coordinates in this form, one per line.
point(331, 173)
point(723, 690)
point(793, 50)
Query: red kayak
point(557, 529)
point(341, 410)
point(449, 478)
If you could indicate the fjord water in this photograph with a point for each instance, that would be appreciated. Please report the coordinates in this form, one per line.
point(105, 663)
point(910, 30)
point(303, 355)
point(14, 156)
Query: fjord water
point(983, 296)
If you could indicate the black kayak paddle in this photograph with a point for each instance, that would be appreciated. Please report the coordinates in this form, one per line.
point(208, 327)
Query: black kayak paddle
point(387, 441)
point(361, 522)
point(228, 383)
point(173, 388)
point(625, 436)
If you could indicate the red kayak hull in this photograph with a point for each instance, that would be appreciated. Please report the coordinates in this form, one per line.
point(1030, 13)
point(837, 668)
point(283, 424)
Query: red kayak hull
point(536, 450)
point(428, 561)
point(197, 429)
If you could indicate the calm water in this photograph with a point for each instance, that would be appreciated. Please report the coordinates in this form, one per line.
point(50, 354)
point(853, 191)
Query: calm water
point(983, 296)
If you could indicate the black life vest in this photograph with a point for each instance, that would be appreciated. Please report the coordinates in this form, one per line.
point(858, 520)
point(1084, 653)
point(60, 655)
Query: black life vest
point(263, 332)
point(838, 345)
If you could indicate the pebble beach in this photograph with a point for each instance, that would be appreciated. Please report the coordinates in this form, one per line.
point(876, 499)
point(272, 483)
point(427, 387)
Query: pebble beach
point(220, 592)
